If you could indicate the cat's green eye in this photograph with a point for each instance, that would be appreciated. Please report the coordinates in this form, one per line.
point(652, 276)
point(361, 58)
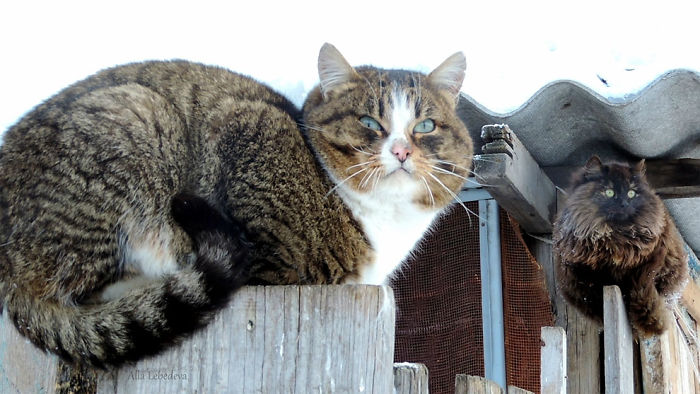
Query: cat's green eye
point(609, 192)
point(631, 194)
point(370, 123)
point(425, 126)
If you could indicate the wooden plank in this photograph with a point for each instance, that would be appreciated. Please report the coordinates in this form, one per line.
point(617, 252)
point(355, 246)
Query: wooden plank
point(513, 177)
point(691, 299)
point(618, 338)
point(583, 353)
point(410, 378)
point(553, 361)
point(583, 345)
point(467, 384)
point(299, 339)
point(23, 367)
point(517, 390)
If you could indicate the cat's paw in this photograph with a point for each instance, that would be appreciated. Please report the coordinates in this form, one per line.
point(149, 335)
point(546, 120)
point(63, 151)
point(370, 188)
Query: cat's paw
point(652, 324)
point(648, 316)
point(195, 215)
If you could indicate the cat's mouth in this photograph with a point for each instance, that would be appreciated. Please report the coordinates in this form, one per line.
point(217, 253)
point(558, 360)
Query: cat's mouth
point(401, 171)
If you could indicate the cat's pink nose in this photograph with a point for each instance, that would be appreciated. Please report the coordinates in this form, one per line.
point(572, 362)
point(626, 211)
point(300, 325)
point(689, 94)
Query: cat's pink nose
point(401, 151)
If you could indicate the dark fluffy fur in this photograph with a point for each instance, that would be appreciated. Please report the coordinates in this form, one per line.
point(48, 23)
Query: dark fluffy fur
point(627, 241)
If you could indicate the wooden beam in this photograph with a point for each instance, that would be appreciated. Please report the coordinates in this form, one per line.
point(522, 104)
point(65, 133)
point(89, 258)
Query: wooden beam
point(511, 175)
point(553, 360)
point(410, 378)
point(618, 339)
point(674, 178)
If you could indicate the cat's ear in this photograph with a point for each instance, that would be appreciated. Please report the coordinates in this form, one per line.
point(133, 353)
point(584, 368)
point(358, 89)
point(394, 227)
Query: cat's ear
point(333, 70)
point(593, 166)
point(641, 167)
point(449, 75)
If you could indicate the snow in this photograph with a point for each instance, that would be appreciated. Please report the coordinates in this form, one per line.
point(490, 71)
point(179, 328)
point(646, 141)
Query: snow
point(513, 48)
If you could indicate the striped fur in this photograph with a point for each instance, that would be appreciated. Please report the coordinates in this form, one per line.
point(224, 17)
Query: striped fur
point(134, 203)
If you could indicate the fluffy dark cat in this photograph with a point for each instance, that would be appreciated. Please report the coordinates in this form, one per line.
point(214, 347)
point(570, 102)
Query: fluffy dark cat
point(133, 203)
point(614, 230)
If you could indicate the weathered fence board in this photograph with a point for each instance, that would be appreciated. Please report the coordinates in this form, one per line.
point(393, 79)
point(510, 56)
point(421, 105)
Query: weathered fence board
point(23, 367)
point(410, 378)
point(553, 361)
point(619, 365)
point(667, 365)
point(275, 339)
point(583, 353)
point(467, 384)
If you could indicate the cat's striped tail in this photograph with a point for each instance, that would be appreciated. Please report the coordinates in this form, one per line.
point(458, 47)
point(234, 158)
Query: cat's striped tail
point(147, 319)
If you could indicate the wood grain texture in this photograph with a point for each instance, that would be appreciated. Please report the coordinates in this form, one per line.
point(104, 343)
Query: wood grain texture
point(619, 365)
point(281, 339)
point(553, 361)
point(410, 378)
point(467, 384)
point(23, 367)
point(583, 353)
point(275, 339)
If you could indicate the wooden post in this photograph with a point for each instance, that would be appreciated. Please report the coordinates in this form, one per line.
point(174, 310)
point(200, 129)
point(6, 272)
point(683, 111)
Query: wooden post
point(619, 355)
point(583, 353)
point(291, 339)
point(553, 361)
point(517, 390)
point(467, 384)
point(410, 378)
point(667, 365)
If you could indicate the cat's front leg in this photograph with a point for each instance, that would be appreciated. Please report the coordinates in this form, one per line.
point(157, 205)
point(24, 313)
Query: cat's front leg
point(645, 307)
point(581, 289)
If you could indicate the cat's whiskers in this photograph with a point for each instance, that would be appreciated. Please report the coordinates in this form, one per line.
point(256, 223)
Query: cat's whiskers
point(444, 171)
point(345, 180)
point(361, 164)
point(456, 198)
point(378, 177)
point(469, 171)
point(430, 192)
point(481, 158)
point(367, 177)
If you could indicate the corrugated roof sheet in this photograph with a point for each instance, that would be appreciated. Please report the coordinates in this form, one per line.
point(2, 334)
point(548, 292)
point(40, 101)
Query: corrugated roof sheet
point(564, 123)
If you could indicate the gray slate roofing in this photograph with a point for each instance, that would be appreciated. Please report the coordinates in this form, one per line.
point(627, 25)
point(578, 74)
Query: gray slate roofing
point(564, 123)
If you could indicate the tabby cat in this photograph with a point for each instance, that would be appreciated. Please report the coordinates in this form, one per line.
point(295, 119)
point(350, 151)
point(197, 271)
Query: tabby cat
point(133, 203)
point(614, 230)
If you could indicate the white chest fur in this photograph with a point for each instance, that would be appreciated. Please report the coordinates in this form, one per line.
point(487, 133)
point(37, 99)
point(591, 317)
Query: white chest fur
point(393, 226)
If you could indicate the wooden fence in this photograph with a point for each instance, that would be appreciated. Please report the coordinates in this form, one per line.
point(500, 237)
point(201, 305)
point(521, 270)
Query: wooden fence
point(279, 339)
